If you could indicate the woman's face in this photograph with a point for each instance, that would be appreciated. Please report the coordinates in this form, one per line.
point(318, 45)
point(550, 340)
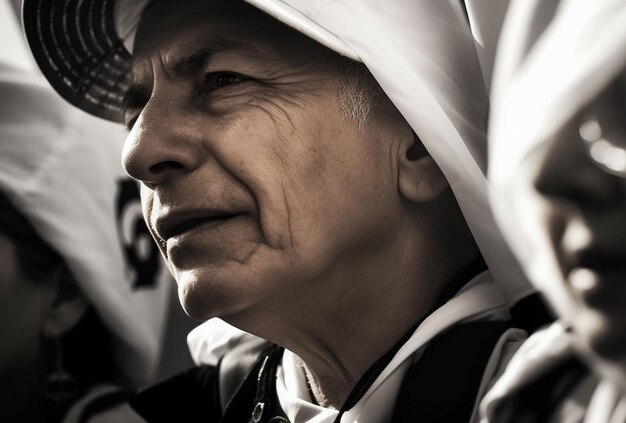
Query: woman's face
point(570, 195)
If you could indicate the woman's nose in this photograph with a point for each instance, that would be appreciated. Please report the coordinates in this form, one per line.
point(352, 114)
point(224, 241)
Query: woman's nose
point(567, 173)
point(160, 145)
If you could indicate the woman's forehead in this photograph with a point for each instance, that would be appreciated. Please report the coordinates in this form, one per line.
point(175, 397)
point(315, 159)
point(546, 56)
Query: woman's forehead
point(218, 26)
point(166, 22)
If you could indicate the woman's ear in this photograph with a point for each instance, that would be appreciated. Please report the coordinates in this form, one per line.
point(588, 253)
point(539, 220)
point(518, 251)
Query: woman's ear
point(67, 308)
point(419, 178)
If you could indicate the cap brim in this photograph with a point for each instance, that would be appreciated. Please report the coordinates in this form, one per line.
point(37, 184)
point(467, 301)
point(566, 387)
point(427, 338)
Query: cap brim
point(76, 45)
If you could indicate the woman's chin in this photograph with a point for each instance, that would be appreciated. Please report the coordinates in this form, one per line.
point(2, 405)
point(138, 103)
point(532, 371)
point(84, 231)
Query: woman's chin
point(602, 337)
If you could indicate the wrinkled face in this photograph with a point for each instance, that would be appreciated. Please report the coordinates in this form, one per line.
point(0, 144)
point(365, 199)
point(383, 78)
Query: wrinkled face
point(575, 217)
point(255, 185)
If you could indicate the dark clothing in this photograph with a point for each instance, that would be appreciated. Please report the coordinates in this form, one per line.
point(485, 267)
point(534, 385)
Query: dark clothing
point(538, 401)
point(439, 387)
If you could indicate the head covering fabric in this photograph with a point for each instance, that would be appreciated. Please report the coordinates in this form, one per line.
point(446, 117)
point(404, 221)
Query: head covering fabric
point(60, 168)
point(13, 48)
point(554, 57)
point(432, 58)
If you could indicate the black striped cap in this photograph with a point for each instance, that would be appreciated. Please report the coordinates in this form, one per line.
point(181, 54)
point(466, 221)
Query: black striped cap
point(76, 45)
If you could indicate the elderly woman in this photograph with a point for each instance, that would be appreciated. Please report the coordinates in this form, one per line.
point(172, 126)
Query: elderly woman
point(558, 166)
point(82, 297)
point(313, 174)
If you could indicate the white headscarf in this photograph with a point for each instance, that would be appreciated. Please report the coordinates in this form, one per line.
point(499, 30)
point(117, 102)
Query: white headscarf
point(554, 57)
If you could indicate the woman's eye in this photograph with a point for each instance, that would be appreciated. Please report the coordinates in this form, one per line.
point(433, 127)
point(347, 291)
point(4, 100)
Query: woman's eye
point(217, 80)
point(130, 117)
point(130, 122)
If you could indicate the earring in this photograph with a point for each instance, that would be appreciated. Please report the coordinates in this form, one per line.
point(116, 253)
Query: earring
point(60, 385)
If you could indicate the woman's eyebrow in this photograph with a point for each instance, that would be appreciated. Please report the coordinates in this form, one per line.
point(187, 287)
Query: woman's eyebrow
point(191, 61)
point(138, 95)
point(135, 98)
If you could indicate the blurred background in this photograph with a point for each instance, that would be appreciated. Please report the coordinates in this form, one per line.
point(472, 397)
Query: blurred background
point(14, 51)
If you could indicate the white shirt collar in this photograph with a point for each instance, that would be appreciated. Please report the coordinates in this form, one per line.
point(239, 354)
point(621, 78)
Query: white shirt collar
point(293, 393)
point(478, 299)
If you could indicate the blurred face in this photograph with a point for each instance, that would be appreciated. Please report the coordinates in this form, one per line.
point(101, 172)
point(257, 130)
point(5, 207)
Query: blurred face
point(575, 190)
point(255, 185)
point(22, 305)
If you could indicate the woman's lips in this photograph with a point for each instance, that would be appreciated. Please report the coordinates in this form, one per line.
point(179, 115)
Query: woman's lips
point(598, 286)
point(196, 224)
point(601, 260)
point(179, 223)
point(205, 243)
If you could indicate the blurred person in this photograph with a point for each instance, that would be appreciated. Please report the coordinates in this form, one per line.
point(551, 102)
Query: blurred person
point(82, 289)
point(558, 167)
point(313, 174)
